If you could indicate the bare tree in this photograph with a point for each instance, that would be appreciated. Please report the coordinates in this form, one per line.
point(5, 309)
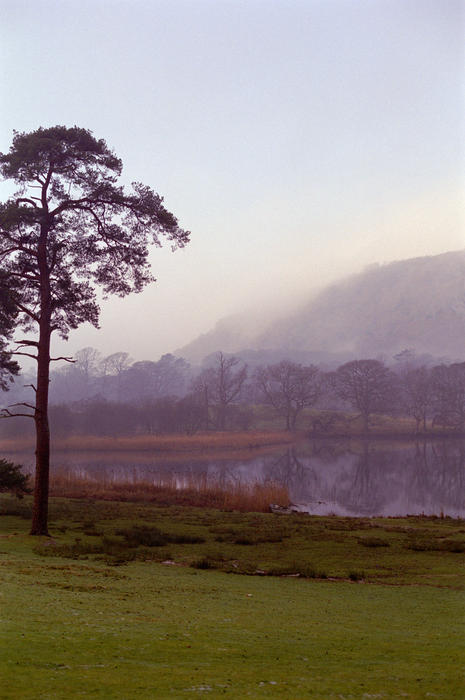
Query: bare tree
point(149, 379)
point(189, 414)
point(289, 388)
point(367, 385)
point(448, 382)
point(115, 365)
point(417, 394)
point(221, 384)
point(87, 365)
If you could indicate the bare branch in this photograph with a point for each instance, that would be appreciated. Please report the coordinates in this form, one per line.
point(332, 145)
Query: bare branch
point(6, 413)
point(31, 386)
point(66, 359)
point(22, 403)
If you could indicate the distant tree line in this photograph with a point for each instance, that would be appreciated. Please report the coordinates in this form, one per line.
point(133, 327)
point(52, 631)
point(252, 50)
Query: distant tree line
point(114, 395)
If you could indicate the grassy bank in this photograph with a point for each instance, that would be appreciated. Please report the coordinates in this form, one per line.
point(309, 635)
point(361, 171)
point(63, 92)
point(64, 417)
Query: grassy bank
point(137, 601)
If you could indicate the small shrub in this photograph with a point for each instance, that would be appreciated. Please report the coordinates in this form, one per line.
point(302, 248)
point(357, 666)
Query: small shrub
point(146, 536)
point(373, 542)
point(73, 550)
point(88, 524)
point(21, 510)
point(185, 539)
point(356, 575)
point(246, 540)
point(452, 546)
point(442, 546)
point(298, 570)
point(245, 568)
point(420, 546)
point(204, 563)
point(153, 537)
point(250, 537)
point(13, 480)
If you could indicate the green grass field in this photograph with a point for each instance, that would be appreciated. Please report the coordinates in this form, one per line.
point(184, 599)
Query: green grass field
point(137, 601)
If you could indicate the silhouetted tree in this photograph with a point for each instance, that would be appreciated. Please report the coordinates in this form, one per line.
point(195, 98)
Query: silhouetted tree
point(289, 388)
point(367, 385)
point(69, 229)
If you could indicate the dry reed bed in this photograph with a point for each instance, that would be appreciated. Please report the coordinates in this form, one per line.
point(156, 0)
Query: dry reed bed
point(159, 443)
point(204, 492)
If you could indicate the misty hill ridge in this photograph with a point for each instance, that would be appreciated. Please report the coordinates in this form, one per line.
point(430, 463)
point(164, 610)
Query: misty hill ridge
point(417, 303)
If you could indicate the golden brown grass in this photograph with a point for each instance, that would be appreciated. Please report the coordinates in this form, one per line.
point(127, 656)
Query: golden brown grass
point(159, 443)
point(201, 491)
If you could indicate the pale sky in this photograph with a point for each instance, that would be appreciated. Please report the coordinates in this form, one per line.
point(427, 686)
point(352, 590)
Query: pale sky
point(297, 139)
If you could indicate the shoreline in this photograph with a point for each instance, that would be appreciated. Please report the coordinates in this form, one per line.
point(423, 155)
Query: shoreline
point(211, 443)
point(162, 444)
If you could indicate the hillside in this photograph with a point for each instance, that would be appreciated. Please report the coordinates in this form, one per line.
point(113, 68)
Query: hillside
point(417, 303)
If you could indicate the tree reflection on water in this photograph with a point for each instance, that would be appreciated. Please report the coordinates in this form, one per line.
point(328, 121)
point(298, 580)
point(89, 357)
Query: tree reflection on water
point(376, 478)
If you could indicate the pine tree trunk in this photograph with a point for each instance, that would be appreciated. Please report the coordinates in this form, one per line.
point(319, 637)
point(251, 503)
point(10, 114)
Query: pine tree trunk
point(41, 488)
point(40, 512)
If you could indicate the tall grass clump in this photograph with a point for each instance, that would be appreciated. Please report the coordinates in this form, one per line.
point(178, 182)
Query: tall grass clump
point(201, 491)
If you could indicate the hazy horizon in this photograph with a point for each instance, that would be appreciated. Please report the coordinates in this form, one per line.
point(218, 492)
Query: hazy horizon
point(298, 141)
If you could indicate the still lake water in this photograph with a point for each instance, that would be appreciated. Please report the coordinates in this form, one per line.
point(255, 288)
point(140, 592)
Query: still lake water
point(364, 478)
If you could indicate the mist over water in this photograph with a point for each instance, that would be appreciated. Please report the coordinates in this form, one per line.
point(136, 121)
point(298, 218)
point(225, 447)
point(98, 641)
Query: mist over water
point(323, 477)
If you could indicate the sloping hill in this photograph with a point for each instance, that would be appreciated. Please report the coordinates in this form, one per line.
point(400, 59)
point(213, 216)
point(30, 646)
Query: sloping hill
point(417, 303)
